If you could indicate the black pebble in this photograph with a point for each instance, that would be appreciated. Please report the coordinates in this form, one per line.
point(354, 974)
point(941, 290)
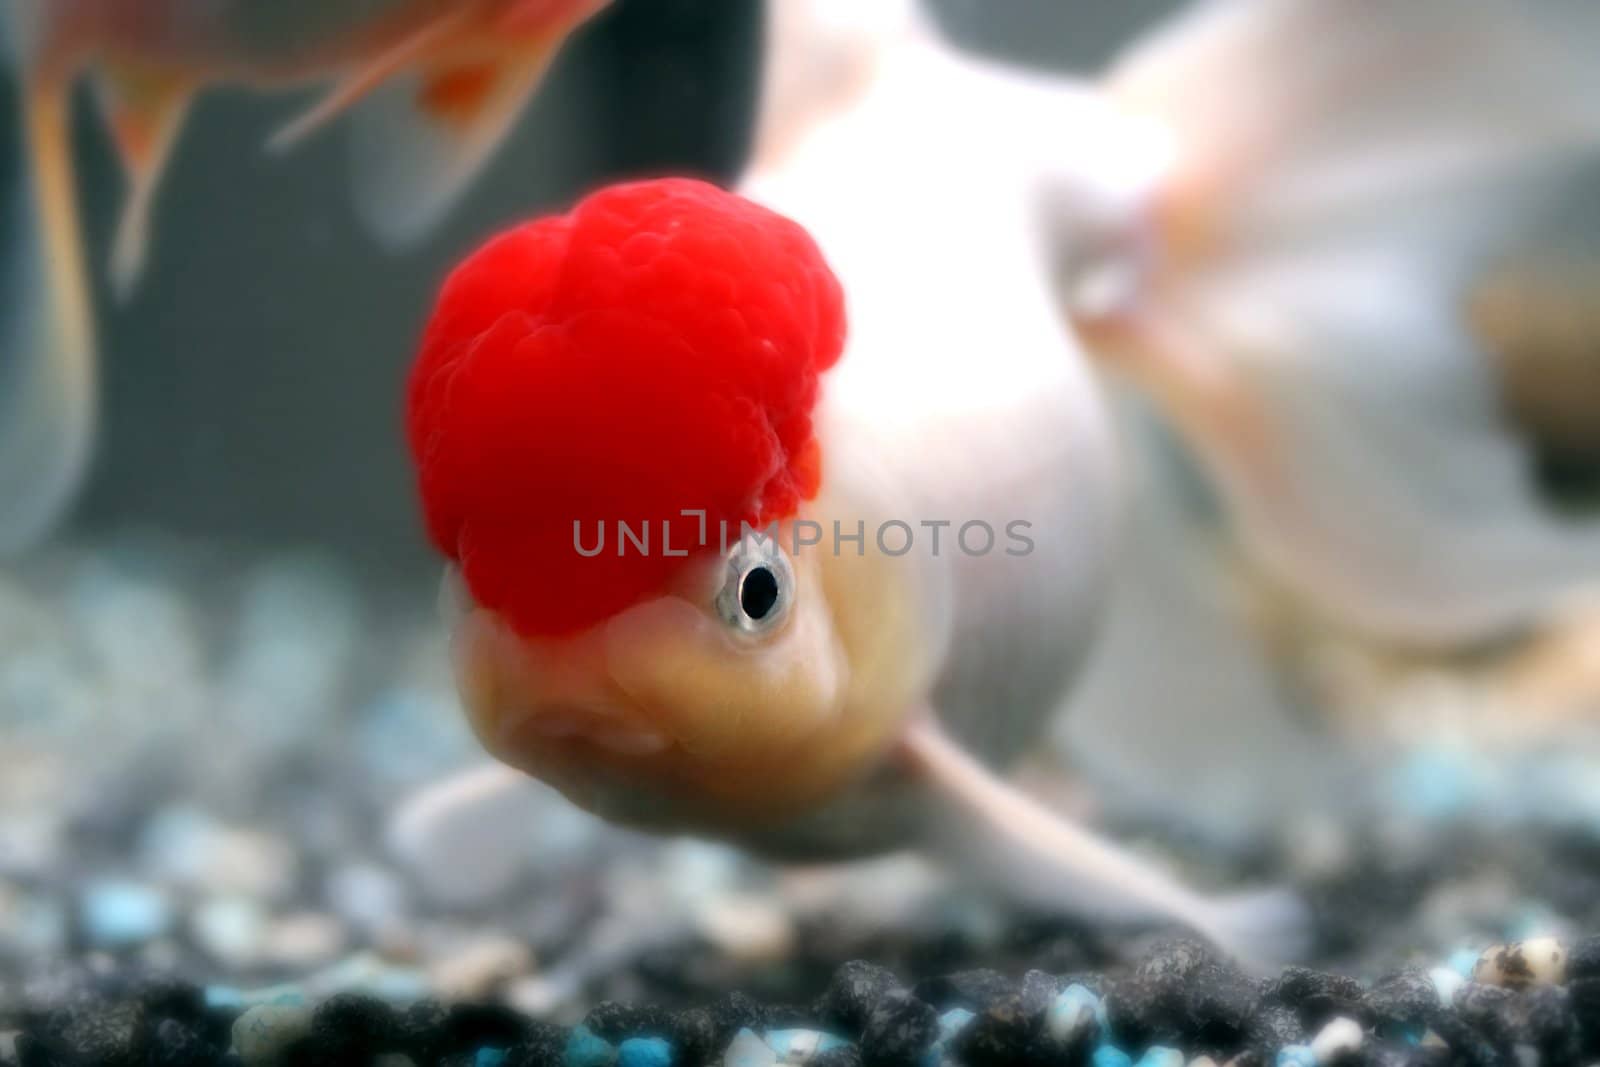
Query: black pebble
point(1486, 1009)
point(1428, 1056)
point(469, 1027)
point(1468, 1044)
point(1039, 990)
point(166, 997)
point(1319, 997)
point(1584, 959)
point(1584, 996)
point(421, 1031)
point(843, 1056)
point(175, 1045)
point(697, 1037)
point(348, 1028)
point(855, 988)
point(736, 1012)
point(1542, 1017)
point(100, 1032)
point(1182, 995)
point(1004, 1034)
point(900, 1029)
point(972, 990)
point(616, 1022)
point(1273, 1026)
point(544, 1046)
point(1405, 998)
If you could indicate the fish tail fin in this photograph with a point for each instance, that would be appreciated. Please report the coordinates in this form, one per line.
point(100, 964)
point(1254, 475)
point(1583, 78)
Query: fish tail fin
point(1264, 928)
point(1334, 180)
point(47, 366)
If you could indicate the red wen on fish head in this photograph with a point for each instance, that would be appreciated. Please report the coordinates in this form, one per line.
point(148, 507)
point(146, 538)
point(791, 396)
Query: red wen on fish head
point(654, 350)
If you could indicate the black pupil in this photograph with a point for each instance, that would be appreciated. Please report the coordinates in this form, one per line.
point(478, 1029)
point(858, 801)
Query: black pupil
point(758, 593)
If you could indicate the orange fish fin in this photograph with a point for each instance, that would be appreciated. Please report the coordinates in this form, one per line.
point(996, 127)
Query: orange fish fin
point(421, 141)
point(145, 110)
point(366, 79)
point(47, 357)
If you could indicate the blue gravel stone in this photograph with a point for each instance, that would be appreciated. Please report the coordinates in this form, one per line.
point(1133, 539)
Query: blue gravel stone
point(1296, 1056)
point(119, 914)
point(489, 1057)
point(952, 1022)
point(644, 1052)
point(586, 1049)
point(223, 997)
point(1462, 961)
point(1111, 1056)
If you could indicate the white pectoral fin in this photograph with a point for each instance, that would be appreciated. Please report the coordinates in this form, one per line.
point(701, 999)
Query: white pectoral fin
point(992, 830)
point(418, 143)
point(1345, 173)
point(47, 364)
point(453, 834)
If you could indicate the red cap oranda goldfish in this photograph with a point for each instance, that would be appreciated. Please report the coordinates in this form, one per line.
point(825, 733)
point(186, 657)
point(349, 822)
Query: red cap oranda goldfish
point(700, 585)
point(439, 84)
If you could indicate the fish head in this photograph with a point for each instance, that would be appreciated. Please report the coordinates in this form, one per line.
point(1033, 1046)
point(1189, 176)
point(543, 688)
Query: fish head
point(612, 424)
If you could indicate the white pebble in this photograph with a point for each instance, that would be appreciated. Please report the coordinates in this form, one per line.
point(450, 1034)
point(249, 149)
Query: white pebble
point(1446, 980)
point(1340, 1037)
point(304, 939)
point(480, 968)
point(746, 927)
point(1537, 961)
point(748, 1050)
point(231, 929)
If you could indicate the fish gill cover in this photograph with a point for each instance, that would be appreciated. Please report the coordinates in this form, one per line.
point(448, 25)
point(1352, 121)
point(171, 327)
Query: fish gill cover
point(655, 349)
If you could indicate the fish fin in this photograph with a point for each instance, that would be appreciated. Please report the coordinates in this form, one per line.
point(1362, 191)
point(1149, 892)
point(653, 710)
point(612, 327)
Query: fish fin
point(47, 365)
point(366, 79)
point(417, 144)
point(989, 828)
point(452, 834)
point(145, 111)
point(1341, 172)
point(1179, 590)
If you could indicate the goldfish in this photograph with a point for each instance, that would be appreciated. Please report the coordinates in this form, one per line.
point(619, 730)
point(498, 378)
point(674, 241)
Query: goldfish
point(439, 84)
point(790, 658)
point(1254, 231)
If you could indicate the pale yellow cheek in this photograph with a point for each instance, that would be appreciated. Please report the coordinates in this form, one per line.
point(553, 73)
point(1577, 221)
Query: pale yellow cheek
point(721, 699)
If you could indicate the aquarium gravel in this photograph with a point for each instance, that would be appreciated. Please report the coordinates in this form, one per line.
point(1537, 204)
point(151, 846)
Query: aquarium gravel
point(204, 750)
point(1176, 1005)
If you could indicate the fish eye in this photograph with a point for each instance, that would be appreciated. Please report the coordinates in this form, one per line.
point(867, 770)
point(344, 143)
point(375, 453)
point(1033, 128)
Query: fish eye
point(758, 586)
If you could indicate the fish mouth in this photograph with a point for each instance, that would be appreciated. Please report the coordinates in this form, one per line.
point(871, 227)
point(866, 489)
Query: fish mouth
point(601, 725)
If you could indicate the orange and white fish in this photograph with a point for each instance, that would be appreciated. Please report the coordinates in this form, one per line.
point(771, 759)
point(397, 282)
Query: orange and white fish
point(440, 83)
point(695, 597)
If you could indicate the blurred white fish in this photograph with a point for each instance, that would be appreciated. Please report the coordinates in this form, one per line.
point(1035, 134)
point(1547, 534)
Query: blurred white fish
point(1292, 288)
point(440, 83)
